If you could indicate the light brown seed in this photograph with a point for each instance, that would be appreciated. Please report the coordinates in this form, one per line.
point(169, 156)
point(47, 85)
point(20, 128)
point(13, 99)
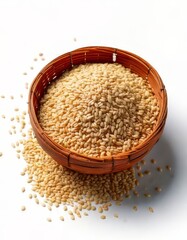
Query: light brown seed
point(140, 174)
point(147, 195)
point(30, 196)
point(103, 216)
point(147, 172)
point(65, 208)
point(143, 162)
point(85, 214)
point(158, 189)
point(168, 167)
point(72, 217)
point(1, 154)
point(61, 218)
point(100, 209)
point(49, 219)
point(23, 189)
point(159, 169)
point(153, 161)
point(23, 208)
point(151, 209)
point(135, 208)
point(116, 215)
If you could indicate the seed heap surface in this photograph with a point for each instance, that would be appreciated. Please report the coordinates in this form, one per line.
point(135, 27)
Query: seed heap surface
point(60, 185)
point(99, 109)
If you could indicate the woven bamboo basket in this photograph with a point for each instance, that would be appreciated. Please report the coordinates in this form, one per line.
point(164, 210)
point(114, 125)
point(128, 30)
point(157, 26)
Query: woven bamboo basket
point(83, 163)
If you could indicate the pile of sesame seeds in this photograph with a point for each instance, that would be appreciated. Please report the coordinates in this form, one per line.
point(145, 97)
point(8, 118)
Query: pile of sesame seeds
point(59, 185)
point(99, 109)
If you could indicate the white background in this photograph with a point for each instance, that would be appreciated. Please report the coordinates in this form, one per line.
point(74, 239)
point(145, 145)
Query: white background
point(155, 30)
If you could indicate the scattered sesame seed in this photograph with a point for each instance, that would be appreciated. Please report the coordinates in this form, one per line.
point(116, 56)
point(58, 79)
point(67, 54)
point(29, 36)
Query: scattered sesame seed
point(147, 172)
point(140, 174)
point(43, 59)
point(159, 169)
point(31, 68)
point(2, 96)
point(151, 209)
point(23, 208)
point(11, 97)
point(1, 154)
point(35, 59)
point(168, 167)
point(37, 201)
point(49, 208)
point(136, 193)
point(100, 210)
point(116, 215)
point(135, 208)
point(153, 161)
point(23, 189)
point(43, 204)
point(49, 219)
point(143, 162)
point(3, 116)
point(65, 208)
point(72, 217)
point(103, 217)
point(138, 167)
point(40, 54)
point(85, 214)
point(147, 195)
point(30, 196)
point(61, 218)
point(24, 73)
point(158, 189)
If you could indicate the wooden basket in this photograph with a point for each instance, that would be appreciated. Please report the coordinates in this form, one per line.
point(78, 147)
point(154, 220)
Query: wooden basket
point(79, 162)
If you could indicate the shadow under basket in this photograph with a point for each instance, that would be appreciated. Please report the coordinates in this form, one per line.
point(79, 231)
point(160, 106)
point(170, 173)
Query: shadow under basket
point(67, 61)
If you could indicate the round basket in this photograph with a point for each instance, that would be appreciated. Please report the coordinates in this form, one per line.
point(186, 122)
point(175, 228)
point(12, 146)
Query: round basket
point(79, 162)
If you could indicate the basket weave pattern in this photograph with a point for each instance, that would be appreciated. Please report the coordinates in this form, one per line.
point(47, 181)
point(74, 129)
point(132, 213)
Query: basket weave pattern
point(84, 55)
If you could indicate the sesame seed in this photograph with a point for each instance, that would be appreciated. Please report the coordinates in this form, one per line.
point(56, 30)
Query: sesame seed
point(1, 154)
point(30, 195)
point(72, 217)
point(103, 217)
point(23, 208)
point(153, 161)
point(49, 219)
point(159, 169)
point(65, 208)
point(168, 167)
point(135, 208)
point(23, 189)
point(151, 209)
point(61, 218)
point(147, 172)
point(147, 195)
point(143, 162)
point(116, 215)
point(158, 189)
